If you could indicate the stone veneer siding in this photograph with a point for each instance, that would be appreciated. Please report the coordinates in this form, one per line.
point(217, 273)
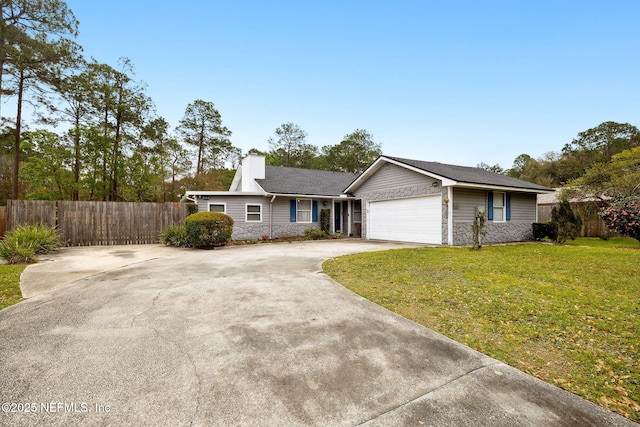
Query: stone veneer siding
point(247, 231)
point(392, 182)
point(510, 231)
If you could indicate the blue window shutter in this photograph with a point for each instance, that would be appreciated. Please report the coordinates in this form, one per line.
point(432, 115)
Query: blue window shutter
point(490, 207)
point(314, 211)
point(292, 210)
point(508, 208)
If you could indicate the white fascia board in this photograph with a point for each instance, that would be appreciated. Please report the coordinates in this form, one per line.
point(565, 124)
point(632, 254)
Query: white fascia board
point(224, 193)
point(501, 188)
point(365, 175)
point(311, 196)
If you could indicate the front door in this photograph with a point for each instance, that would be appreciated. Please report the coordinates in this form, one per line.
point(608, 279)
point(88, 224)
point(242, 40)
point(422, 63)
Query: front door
point(337, 216)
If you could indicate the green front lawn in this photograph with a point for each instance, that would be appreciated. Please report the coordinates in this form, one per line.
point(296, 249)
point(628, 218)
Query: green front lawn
point(10, 285)
point(569, 315)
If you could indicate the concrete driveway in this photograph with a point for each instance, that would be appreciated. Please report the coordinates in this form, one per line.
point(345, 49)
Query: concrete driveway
point(253, 336)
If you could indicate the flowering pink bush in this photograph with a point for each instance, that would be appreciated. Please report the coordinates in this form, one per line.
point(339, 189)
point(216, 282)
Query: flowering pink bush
point(623, 216)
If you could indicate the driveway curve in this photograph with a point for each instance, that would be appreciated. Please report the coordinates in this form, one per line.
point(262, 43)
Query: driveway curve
point(247, 335)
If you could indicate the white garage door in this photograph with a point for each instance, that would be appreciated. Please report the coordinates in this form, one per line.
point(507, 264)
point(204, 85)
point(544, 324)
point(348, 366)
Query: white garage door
point(406, 220)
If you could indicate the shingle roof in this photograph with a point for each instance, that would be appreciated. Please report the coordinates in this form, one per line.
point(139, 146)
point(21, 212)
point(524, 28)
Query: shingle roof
point(465, 174)
point(281, 180)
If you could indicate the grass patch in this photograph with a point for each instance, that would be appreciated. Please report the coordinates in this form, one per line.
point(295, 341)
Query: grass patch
point(612, 242)
point(10, 285)
point(569, 315)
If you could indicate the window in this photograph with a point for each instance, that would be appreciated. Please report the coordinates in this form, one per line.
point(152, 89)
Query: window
point(303, 210)
point(218, 207)
point(357, 211)
point(499, 206)
point(254, 213)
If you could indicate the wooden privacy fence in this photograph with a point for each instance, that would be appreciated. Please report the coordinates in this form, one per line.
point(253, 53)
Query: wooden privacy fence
point(592, 225)
point(98, 223)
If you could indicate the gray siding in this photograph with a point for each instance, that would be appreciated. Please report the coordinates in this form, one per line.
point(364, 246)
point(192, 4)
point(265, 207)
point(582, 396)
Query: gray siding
point(395, 182)
point(279, 225)
point(523, 207)
point(518, 228)
point(464, 203)
point(236, 206)
point(391, 177)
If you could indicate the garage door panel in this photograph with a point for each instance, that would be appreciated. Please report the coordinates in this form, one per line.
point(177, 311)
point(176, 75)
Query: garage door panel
point(406, 220)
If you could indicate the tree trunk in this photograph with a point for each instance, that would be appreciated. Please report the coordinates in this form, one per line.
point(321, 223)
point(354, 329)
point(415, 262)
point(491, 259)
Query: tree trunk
point(16, 143)
point(76, 163)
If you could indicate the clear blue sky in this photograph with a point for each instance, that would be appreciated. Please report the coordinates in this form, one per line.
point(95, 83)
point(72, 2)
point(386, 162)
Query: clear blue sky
point(457, 82)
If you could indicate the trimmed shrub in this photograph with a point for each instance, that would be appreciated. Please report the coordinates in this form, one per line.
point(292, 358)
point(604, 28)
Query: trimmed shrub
point(175, 235)
point(315, 233)
point(545, 229)
point(206, 230)
point(191, 208)
point(24, 244)
point(325, 220)
point(540, 230)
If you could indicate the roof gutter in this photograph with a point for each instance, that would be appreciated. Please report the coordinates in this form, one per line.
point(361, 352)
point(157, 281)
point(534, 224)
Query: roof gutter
point(502, 188)
point(313, 196)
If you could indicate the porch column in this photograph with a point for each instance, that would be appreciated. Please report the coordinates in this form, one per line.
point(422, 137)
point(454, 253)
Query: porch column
point(349, 205)
point(450, 216)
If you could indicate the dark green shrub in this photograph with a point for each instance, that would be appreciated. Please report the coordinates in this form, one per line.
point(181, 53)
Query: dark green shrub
point(207, 230)
point(175, 235)
point(540, 230)
point(568, 224)
point(24, 244)
point(552, 231)
point(325, 220)
point(545, 229)
point(191, 208)
point(315, 233)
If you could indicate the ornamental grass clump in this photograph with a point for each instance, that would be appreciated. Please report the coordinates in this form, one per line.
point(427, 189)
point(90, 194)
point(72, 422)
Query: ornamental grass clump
point(206, 230)
point(23, 244)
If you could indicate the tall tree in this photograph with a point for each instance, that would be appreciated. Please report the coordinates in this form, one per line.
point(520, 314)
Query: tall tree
point(48, 172)
point(122, 106)
point(495, 168)
point(75, 91)
point(598, 145)
point(287, 143)
point(48, 20)
point(34, 66)
point(202, 127)
point(519, 165)
point(606, 139)
point(355, 152)
point(619, 178)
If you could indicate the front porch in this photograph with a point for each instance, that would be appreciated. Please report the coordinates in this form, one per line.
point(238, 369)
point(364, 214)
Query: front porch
point(346, 216)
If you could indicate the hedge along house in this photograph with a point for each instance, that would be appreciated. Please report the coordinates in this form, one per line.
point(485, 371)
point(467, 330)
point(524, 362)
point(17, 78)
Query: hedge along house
point(393, 199)
point(428, 202)
point(274, 201)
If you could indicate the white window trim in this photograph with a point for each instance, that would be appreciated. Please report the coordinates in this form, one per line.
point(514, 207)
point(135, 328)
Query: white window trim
point(217, 203)
point(247, 213)
point(504, 206)
point(310, 211)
